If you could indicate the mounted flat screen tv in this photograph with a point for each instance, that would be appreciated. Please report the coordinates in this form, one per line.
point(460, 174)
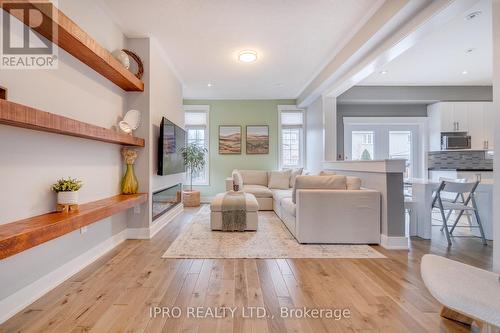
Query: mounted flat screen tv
point(172, 139)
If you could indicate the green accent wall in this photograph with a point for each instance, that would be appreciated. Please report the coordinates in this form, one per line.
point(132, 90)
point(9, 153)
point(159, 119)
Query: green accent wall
point(239, 112)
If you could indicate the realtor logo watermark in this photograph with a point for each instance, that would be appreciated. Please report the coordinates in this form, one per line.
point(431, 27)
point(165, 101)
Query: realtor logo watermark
point(27, 33)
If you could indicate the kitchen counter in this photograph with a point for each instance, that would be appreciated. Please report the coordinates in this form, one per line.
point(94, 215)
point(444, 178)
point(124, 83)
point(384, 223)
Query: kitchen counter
point(422, 196)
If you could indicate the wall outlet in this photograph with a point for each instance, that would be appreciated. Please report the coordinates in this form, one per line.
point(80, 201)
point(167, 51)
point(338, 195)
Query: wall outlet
point(84, 229)
point(137, 209)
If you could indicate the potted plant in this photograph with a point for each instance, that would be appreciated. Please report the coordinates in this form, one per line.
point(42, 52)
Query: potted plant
point(194, 159)
point(67, 192)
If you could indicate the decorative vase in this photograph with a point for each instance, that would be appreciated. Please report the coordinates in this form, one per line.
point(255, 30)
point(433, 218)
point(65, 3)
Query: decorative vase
point(67, 198)
point(130, 185)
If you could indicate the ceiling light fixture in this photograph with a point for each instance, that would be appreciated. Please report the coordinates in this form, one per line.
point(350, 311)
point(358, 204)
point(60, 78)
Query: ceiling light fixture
point(464, 72)
point(209, 85)
point(473, 15)
point(470, 50)
point(384, 72)
point(247, 56)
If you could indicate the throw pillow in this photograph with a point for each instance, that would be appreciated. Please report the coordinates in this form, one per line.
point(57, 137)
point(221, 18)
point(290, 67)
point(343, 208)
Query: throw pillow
point(279, 180)
point(318, 183)
point(353, 183)
point(237, 179)
point(293, 175)
point(327, 173)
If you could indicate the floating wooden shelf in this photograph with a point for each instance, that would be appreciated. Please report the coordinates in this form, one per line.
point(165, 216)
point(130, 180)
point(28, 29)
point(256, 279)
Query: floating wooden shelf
point(18, 115)
point(19, 236)
point(77, 42)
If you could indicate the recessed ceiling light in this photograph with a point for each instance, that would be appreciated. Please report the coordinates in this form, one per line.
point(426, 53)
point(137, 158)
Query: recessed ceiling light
point(464, 72)
point(473, 15)
point(247, 56)
point(470, 50)
point(209, 85)
point(384, 72)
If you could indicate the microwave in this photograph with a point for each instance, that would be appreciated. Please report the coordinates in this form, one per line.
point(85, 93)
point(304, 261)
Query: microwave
point(455, 140)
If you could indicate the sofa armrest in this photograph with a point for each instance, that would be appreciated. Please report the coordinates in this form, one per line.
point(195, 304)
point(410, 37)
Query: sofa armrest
point(229, 184)
point(351, 215)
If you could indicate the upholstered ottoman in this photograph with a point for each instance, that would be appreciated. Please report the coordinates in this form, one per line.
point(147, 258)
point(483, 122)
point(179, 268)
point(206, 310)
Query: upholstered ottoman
point(252, 208)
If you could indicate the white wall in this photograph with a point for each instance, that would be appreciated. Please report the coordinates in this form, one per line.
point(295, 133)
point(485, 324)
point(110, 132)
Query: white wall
point(314, 139)
point(496, 102)
point(166, 101)
point(31, 161)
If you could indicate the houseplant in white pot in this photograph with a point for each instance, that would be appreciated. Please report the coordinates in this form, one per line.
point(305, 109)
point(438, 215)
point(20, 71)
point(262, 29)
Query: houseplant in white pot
point(67, 193)
point(194, 159)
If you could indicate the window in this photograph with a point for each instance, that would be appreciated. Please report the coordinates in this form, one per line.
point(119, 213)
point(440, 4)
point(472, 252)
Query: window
point(197, 128)
point(362, 145)
point(378, 138)
point(291, 137)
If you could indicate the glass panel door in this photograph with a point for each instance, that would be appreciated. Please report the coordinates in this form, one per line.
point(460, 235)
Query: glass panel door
point(400, 147)
point(362, 145)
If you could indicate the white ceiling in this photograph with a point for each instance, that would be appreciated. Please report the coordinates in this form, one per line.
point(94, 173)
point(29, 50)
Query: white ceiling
point(441, 58)
point(294, 39)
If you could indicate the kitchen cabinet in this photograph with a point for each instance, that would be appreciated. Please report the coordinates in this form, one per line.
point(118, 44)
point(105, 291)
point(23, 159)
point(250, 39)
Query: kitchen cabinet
point(476, 118)
point(489, 120)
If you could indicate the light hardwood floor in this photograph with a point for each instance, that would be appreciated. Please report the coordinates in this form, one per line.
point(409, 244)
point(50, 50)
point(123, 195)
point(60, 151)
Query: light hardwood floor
point(116, 293)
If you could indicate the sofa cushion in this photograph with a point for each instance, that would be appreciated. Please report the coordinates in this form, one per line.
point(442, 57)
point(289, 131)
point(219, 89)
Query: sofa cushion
point(294, 174)
point(258, 190)
point(279, 195)
point(353, 183)
point(254, 177)
point(279, 179)
point(237, 179)
point(318, 182)
point(288, 206)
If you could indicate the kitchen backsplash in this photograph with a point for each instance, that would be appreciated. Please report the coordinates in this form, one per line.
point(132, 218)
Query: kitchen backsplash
point(445, 160)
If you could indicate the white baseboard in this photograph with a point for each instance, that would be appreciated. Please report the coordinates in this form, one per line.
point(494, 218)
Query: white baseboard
point(394, 243)
point(14, 303)
point(206, 200)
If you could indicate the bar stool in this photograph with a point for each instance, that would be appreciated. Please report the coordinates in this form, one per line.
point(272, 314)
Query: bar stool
point(459, 197)
point(465, 190)
point(410, 207)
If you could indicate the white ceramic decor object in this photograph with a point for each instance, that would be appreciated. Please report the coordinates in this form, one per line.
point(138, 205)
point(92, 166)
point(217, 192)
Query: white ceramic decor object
point(133, 119)
point(125, 127)
point(122, 57)
point(130, 122)
point(67, 198)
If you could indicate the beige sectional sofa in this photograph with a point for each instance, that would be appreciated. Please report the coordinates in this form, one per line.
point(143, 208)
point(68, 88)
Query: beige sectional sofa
point(316, 209)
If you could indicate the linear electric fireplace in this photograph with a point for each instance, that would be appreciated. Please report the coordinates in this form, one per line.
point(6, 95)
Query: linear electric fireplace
point(166, 199)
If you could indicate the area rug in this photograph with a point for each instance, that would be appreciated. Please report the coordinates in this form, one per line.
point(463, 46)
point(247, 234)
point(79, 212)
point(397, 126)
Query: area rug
point(271, 240)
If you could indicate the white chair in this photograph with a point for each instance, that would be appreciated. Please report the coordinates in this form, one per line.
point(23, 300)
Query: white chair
point(465, 190)
point(456, 199)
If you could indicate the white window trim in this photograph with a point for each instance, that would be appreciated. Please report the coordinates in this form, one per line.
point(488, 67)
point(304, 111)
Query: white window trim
point(292, 108)
point(206, 109)
point(423, 132)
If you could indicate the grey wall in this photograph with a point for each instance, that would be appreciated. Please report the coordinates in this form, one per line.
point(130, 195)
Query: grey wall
point(314, 136)
point(415, 94)
point(374, 110)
